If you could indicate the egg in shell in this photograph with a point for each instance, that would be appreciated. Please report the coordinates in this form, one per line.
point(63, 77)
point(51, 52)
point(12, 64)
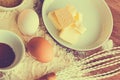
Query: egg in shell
point(28, 22)
point(40, 49)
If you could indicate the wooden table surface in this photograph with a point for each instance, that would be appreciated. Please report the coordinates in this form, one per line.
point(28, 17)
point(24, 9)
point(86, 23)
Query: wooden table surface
point(115, 9)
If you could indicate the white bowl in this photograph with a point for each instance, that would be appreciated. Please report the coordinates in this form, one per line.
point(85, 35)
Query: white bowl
point(2, 8)
point(97, 18)
point(16, 44)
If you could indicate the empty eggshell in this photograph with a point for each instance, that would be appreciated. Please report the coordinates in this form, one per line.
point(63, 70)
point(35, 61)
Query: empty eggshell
point(28, 22)
point(40, 49)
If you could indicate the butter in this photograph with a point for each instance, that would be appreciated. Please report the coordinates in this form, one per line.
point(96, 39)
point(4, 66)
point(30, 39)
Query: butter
point(79, 29)
point(64, 17)
point(61, 18)
point(70, 35)
point(68, 21)
point(54, 20)
point(78, 19)
point(72, 10)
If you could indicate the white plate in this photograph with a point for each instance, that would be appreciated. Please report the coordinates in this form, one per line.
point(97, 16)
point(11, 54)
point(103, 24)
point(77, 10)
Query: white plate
point(97, 18)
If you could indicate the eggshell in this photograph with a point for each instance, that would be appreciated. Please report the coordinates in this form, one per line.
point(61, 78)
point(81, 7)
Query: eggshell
point(28, 22)
point(40, 49)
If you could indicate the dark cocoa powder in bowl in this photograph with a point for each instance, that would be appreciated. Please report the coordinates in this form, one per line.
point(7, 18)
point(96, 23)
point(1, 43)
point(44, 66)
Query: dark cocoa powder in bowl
point(10, 3)
point(7, 55)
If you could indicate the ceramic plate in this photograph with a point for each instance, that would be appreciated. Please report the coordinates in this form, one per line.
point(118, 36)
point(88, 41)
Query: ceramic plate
point(97, 19)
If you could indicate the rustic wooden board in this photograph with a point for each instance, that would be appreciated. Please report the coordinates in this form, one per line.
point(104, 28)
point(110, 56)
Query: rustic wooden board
point(115, 8)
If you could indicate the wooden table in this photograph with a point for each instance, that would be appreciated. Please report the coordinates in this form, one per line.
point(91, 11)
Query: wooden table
point(115, 8)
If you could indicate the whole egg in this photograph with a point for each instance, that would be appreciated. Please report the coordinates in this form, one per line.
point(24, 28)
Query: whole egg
point(28, 22)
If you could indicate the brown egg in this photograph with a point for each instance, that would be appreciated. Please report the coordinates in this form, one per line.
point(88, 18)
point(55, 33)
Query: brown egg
point(40, 49)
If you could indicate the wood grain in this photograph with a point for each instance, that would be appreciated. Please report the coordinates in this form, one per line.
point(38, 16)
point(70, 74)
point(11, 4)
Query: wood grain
point(115, 9)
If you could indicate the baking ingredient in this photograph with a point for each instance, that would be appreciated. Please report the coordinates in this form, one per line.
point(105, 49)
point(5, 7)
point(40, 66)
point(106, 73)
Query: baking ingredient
point(40, 49)
point(28, 22)
point(54, 20)
point(68, 21)
point(70, 35)
point(7, 55)
point(62, 16)
point(10, 3)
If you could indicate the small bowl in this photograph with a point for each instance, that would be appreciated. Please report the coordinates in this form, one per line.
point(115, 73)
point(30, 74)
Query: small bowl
point(2, 8)
point(15, 42)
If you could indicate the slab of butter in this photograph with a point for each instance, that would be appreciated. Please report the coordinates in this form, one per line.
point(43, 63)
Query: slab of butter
point(80, 29)
point(68, 22)
point(54, 20)
point(64, 17)
point(70, 35)
point(61, 18)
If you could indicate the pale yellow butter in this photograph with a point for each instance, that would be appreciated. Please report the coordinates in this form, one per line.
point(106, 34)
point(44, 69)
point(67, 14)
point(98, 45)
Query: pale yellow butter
point(61, 18)
point(64, 17)
point(68, 21)
point(54, 20)
point(70, 35)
